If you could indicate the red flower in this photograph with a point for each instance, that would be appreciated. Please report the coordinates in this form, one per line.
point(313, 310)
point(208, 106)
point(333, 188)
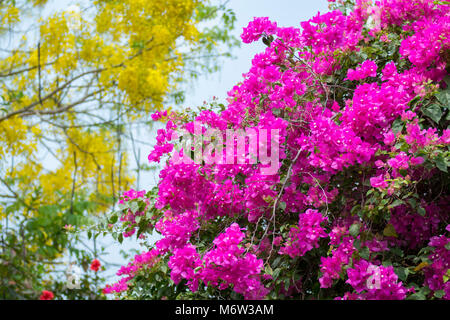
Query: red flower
point(46, 295)
point(95, 265)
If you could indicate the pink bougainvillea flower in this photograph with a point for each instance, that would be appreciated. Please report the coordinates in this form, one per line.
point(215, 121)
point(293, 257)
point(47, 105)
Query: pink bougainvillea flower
point(378, 182)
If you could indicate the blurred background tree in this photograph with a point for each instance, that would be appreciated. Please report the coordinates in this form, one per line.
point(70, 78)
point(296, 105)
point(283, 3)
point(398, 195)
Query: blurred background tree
point(75, 84)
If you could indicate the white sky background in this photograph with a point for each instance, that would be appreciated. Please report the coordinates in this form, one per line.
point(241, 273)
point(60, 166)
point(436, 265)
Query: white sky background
point(285, 12)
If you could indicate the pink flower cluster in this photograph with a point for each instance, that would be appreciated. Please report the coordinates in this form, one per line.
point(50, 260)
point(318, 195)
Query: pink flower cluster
point(333, 148)
point(131, 194)
point(440, 264)
point(417, 139)
point(399, 12)
point(159, 115)
point(367, 69)
point(143, 260)
point(227, 264)
point(176, 230)
point(163, 145)
point(306, 235)
point(330, 31)
point(412, 228)
point(129, 218)
point(373, 282)
point(183, 264)
point(331, 267)
point(424, 47)
point(256, 28)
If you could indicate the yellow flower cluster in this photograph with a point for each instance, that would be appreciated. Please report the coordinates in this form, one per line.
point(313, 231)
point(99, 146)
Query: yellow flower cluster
point(82, 65)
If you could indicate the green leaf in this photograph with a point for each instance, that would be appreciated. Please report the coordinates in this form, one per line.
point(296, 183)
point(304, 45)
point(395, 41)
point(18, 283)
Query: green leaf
point(354, 229)
point(397, 125)
point(357, 244)
point(396, 203)
point(355, 209)
point(364, 253)
point(434, 112)
point(287, 284)
point(421, 211)
point(268, 270)
point(416, 296)
point(276, 273)
point(446, 276)
point(389, 231)
point(402, 273)
point(276, 112)
point(441, 163)
point(276, 262)
point(113, 219)
point(266, 41)
point(444, 97)
point(412, 202)
point(397, 251)
point(439, 294)
point(387, 263)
